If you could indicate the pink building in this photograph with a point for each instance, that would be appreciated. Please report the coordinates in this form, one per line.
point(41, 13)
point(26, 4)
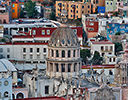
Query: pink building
point(4, 17)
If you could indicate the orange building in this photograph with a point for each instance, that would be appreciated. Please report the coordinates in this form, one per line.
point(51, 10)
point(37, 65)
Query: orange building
point(16, 8)
point(74, 9)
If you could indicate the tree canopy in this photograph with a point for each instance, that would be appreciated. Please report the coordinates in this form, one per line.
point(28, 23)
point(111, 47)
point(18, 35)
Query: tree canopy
point(84, 54)
point(30, 7)
point(53, 16)
point(117, 33)
point(97, 60)
point(118, 47)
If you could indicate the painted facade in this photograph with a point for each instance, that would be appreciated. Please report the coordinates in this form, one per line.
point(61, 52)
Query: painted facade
point(113, 28)
point(101, 9)
point(110, 5)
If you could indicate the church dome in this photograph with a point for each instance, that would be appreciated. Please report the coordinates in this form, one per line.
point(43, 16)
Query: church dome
point(63, 37)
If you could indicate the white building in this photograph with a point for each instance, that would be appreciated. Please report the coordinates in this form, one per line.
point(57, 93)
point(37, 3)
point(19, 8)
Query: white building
point(106, 49)
point(24, 51)
point(6, 66)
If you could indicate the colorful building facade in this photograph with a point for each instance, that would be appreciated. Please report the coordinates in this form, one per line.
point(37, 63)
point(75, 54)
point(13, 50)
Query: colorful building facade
point(110, 5)
point(74, 9)
point(113, 28)
point(16, 8)
point(101, 9)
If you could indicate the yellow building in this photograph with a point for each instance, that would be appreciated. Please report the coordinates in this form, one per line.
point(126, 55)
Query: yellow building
point(74, 9)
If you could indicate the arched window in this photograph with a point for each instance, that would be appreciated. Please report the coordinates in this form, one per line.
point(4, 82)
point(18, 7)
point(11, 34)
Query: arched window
point(63, 67)
point(69, 67)
point(13, 96)
point(74, 53)
point(57, 53)
point(0, 95)
point(57, 68)
point(63, 53)
point(69, 53)
point(19, 95)
point(6, 94)
point(74, 67)
point(52, 53)
point(110, 60)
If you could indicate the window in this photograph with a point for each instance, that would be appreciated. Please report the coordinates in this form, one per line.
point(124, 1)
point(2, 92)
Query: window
point(34, 32)
point(8, 49)
point(88, 11)
point(88, 6)
point(69, 67)
point(111, 48)
point(63, 53)
point(71, 10)
point(8, 56)
point(75, 31)
point(44, 49)
point(69, 53)
point(73, 53)
point(31, 56)
point(106, 48)
point(57, 53)
point(82, 12)
point(48, 32)
point(0, 95)
point(114, 59)
point(82, 6)
point(24, 49)
point(38, 49)
point(6, 83)
point(110, 59)
point(13, 10)
point(1, 56)
point(77, 11)
point(107, 3)
point(38, 56)
point(1, 49)
point(6, 94)
point(46, 89)
point(110, 53)
point(24, 56)
point(77, 6)
point(52, 53)
point(63, 67)
point(31, 49)
point(110, 72)
point(91, 24)
point(43, 32)
point(63, 4)
point(71, 15)
point(102, 48)
point(102, 54)
point(57, 68)
point(13, 5)
point(111, 3)
point(74, 67)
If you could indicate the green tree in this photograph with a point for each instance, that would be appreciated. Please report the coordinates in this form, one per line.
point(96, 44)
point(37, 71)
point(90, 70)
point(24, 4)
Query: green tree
point(22, 13)
point(118, 47)
point(84, 54)
point(30, 7)
point(97, 60)
point(117, 33)
point(53, 16)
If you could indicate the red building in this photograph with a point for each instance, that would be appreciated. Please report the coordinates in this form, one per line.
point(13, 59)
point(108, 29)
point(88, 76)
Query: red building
point(43, 98)
point(91, 26)
point(43, 34)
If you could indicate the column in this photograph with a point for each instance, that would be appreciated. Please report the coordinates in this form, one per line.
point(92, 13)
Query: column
point(59, 67)
point(9, 31)
point(76, 53)
point(66, 67)
point(72, 67)
point(60, 54)
point(71, 53)
point(50, 53)
point(66, 53)
point(54, 51)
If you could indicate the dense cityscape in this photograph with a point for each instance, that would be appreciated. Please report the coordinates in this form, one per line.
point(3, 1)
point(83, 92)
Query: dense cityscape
point(63, 50)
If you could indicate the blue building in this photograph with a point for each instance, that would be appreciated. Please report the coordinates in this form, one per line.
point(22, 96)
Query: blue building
point(101, 9)
point(113, 28)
